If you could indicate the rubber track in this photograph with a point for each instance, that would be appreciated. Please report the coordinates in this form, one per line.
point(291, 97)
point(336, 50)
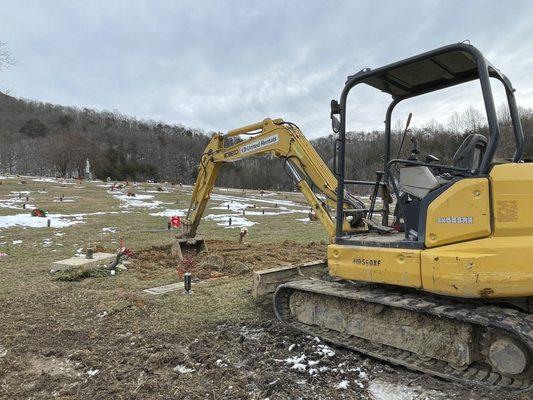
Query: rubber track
point(511, 321)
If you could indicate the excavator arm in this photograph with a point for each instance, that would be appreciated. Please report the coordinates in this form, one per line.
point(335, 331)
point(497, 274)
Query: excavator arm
point(283, 140)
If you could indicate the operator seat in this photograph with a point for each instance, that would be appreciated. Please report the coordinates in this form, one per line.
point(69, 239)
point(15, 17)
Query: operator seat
point(470, 152)
point(418, 181)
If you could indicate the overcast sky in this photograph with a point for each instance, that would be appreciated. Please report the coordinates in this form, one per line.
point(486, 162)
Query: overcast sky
point(218, 65)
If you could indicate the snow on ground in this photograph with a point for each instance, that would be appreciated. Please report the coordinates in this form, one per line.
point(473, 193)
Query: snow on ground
point(110, 229)
point(344, 384)
point(182, 369)
point(15, 204)
point(255, 198)
point(380, 389)
point(232, 206)
point(26, 220)
point(137, 201)
point(237, 221)
point(52, 180)
point(169, 212)
point(56, 220)
point(249, 208)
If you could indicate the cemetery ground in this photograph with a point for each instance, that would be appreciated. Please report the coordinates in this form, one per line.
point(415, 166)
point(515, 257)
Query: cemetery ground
point(87, 334)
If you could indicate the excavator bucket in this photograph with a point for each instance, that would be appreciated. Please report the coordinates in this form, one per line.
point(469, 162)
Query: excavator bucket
point(188, 247)
point(266, 281)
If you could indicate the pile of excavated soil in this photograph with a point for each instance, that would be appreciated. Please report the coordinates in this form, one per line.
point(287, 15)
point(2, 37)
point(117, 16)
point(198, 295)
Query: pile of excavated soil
point(228, 258)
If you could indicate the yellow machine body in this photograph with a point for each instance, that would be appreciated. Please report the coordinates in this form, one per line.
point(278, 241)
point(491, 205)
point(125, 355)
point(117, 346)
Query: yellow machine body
point(478, 242)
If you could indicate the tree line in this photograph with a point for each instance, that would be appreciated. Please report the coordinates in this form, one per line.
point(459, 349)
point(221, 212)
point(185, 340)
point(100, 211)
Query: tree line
point(51, 140)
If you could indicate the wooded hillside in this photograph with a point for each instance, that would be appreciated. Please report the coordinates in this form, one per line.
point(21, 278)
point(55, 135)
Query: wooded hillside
point(45, 139)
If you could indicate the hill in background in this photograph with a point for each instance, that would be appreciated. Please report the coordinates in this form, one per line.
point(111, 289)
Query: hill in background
point(51, 140)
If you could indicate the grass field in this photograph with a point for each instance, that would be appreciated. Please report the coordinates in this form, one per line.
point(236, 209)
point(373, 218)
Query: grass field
point(103, 337)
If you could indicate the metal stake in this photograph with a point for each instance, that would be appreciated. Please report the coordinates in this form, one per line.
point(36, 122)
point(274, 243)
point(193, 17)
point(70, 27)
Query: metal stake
point(187, 282)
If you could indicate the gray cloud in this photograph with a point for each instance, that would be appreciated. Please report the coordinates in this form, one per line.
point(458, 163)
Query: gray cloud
point(219, 65)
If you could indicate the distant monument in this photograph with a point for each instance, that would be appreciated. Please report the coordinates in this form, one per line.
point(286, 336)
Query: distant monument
point(88, 174)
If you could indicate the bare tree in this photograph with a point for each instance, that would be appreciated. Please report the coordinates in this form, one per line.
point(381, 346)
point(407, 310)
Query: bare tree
point(6, 60)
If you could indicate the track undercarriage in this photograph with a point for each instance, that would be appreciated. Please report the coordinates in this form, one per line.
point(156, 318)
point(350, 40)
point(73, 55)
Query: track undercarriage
point(466, 342)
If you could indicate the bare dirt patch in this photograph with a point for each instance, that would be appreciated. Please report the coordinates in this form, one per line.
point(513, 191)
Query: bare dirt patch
point(228, 258)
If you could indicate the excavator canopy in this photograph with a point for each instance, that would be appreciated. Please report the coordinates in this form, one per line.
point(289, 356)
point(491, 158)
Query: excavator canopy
point(427, 72)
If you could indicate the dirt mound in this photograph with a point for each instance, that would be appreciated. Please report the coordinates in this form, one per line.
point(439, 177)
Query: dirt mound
point(228, 258)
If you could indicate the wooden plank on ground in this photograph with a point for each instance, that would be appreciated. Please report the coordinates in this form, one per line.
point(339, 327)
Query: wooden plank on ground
point(165, 288)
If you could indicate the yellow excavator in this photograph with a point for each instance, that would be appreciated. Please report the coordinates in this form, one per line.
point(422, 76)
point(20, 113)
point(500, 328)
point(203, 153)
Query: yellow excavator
point(447, 287)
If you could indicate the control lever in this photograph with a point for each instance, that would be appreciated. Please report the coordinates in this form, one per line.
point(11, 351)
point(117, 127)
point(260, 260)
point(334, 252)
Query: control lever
point(431, 158)
point(404, 134)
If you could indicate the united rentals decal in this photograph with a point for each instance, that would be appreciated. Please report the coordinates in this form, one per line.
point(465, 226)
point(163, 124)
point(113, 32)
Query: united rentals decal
point(260, 144)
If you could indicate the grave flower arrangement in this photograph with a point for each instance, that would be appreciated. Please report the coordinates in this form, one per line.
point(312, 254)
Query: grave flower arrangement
point(38, 212)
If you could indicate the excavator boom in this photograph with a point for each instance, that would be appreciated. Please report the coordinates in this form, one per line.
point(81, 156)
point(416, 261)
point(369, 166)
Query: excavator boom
point(283, 140)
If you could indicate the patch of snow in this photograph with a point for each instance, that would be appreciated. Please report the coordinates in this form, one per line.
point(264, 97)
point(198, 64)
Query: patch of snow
point(382, 390)
point(291, 347)
point(182, 369)
point(343, 384)
point(137, 201)
point(220, 363)
point(169, 212)
point(17, 241)
point(224, 197)
point(57, 221)
point(15, 202)
point(237, 221)
point(110, 229)
point(232, 206)
point(92, 372)
point(324, 350)
point(297, 363)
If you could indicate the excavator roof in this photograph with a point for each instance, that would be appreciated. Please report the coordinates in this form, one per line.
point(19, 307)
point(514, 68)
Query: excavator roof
point(427, 72)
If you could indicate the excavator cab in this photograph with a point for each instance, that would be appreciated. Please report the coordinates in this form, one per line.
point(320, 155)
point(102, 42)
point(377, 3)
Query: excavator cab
point(420, 181)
